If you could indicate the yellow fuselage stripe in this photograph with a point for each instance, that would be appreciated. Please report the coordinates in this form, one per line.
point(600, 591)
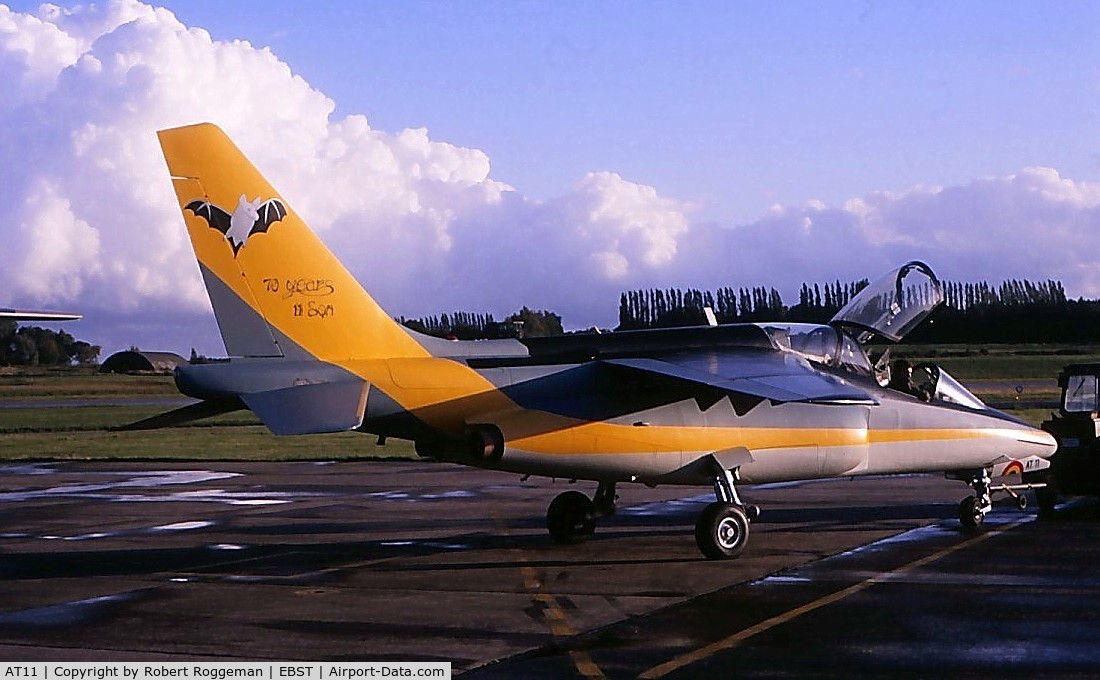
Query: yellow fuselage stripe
point(610, 438)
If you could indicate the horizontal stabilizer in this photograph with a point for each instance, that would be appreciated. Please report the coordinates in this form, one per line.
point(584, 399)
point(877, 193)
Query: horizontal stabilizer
point(185, 414)
point(312, 408)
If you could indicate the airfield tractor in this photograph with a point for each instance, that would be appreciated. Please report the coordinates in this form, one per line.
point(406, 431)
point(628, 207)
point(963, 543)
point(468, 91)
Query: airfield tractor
point(1075, 466)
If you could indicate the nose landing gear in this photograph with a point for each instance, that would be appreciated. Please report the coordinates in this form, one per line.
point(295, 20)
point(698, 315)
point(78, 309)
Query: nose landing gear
point(973, 509)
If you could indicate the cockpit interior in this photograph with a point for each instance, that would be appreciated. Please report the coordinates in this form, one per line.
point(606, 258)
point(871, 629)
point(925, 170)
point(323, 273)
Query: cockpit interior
point(888, 308)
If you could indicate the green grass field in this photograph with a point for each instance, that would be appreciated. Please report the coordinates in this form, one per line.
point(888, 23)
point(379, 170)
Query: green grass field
point(1000, 362)
point(46, 385)
point(246, 442)
point(68, 415)
point(61, 415)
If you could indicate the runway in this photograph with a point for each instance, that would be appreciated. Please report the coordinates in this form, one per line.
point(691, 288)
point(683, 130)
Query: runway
point(422, 561)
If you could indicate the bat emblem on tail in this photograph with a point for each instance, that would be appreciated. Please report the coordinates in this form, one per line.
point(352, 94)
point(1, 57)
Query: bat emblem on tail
point(250, 217)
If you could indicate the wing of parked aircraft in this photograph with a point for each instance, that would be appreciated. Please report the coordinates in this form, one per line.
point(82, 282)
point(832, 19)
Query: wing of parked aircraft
point(33, 315)
point(778, 377)
point(711, 405)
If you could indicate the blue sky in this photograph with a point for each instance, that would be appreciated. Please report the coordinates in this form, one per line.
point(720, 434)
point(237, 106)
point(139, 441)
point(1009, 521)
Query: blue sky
point(734, 106)
point(569, 150)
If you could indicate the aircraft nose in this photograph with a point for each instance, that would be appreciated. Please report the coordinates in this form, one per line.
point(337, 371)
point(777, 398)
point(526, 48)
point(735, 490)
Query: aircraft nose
point(1039, 442)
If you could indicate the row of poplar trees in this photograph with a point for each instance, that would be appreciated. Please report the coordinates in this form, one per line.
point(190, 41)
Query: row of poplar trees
point(1013, 311)
point(656, 308)
point(472, 326)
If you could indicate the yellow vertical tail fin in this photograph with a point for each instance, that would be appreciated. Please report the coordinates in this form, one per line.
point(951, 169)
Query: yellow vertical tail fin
point(276, 289)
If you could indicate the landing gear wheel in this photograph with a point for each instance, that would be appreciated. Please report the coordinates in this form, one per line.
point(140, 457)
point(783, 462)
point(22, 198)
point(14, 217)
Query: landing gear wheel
point(571, 518)
point(721, 531)
point(971, 513)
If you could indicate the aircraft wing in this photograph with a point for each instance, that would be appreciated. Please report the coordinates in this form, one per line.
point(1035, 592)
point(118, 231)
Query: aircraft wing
point(614, 387)
point(35, 315)
point(777, 377)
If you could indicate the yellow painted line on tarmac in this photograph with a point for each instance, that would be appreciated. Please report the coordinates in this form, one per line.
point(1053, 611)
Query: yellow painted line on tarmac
point(553, 614)
point(586, 666)
point(531, 581)
point(559, 624)
point(741, 636)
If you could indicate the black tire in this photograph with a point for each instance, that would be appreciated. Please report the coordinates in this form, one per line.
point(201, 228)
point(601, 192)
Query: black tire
point(970, 514)
point(571, 518)
point(721, 531)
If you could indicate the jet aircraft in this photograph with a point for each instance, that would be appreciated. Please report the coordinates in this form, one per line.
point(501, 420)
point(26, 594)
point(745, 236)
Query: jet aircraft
point(717, 406)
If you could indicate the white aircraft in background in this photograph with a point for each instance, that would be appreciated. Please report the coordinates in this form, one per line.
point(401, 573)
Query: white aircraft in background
point(34, 315)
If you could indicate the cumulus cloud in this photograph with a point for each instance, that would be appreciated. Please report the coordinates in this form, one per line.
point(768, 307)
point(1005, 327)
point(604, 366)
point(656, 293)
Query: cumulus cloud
point(1034, 224)
point(88, 217)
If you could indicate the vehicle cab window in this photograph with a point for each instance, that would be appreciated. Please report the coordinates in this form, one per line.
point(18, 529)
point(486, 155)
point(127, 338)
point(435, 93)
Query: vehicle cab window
point(1080, 394)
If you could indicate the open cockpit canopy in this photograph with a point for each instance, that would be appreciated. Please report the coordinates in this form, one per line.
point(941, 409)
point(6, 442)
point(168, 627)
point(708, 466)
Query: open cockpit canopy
point(893, 305)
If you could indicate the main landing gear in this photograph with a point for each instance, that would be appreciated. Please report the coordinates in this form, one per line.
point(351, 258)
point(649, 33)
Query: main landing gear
point(571, 517)
point(720, 532)
point(722, 529)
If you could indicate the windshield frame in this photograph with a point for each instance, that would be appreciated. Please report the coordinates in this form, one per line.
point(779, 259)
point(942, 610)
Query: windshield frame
point(952, 391)
point(932, 380)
